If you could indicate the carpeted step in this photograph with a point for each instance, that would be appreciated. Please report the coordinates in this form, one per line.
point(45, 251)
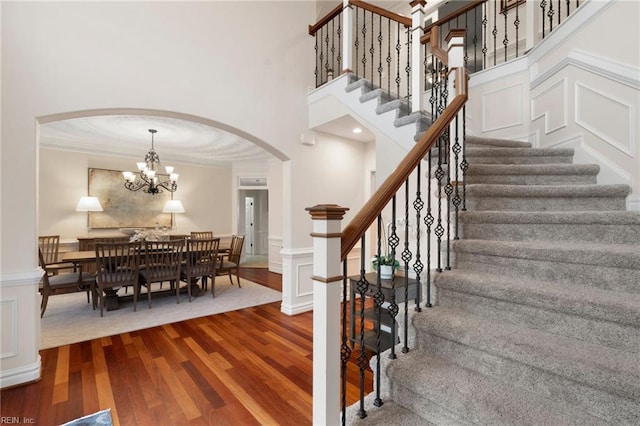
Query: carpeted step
point(532, 174)
point(518, 155)
point(390, 413)
point(400, 106)
point(601, 381)
point(445, 393)
point(585, 313)
point(612, 227)
point(494, 142)
point(614, 267)
point(546, 197)
point(356, 83)
point(378, 95)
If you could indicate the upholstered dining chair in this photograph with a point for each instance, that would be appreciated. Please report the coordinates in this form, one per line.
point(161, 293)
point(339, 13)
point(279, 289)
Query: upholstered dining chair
point(200, 262)
point(59, 282)
point(162, 262)
point(117, 265)
point(201, 235)
point(231, 262)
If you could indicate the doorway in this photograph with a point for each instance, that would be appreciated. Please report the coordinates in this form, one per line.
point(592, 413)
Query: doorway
point(253, 223)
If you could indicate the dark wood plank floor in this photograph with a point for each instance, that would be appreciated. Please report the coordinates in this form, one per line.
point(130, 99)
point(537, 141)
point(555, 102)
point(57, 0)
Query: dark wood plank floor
point(247, 367)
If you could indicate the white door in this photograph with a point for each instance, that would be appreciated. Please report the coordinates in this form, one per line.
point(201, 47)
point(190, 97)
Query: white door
point(249, 225)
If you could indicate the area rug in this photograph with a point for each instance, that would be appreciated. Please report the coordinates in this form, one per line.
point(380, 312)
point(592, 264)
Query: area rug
point(101, 418)
point(70, 319)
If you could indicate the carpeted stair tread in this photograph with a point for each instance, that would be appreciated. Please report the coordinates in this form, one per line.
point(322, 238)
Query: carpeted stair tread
point(475, 398)
point(493, 190)
point(612, 371)
point(586, 253)
point(533, 169)
point(401, 107)
point(518, 152)
point(494, 142)
point(612, 227)
point(357, 83)
point(599, 304)
point(390, 413)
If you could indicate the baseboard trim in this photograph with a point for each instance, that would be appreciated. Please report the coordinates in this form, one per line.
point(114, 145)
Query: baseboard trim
point(22, 375)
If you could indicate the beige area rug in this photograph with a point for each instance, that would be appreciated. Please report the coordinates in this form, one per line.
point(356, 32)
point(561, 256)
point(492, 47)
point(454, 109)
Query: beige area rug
point(70, 319)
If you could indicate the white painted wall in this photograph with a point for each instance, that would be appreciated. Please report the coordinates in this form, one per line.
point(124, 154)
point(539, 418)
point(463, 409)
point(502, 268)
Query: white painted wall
point(579, 89)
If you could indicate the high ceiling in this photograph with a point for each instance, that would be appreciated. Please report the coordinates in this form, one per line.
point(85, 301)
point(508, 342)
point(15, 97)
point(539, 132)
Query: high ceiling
point(177, 140)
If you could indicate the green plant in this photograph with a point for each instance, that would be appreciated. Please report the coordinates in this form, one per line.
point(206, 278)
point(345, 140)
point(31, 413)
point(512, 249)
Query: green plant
point(384, 260)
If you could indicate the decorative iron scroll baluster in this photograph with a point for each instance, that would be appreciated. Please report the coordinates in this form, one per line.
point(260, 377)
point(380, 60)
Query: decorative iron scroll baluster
point(550, 15)
point(408, 67)
point(315, 72)
point(372, 49)
point(505, 41)
point(333, 48)
point(406, 258)
point(428, 221)
point(378, 299)
point(345, 349)
point(484, 39)
point(389, 58)
point(559, 9)
point(363, 362)
point(475, 39)
point(380, 69)
point(456, 194)
point(516, 23)
point(364, 43)
point(393, 306)
point(466, 31)
point(543, 6)
point(326, 63)
point(398, 48)
point(464, 165)
point(356, 43)
point(418, 266)
point(339, 32)
point(495, 31)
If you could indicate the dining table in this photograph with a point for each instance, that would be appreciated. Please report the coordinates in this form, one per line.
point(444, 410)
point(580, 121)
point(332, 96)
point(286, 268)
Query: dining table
point(82, 258)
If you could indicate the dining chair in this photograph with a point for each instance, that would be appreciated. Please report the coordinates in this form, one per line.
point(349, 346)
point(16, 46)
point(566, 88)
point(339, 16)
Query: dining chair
point(232, 261)
point(49, 246)
point(117, 265)
point(201, 235)
point(200, 262)
point(162, 262)
point(61, 282)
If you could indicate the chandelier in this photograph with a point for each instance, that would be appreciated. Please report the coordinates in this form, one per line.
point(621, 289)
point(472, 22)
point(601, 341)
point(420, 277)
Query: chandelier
point(148, 179)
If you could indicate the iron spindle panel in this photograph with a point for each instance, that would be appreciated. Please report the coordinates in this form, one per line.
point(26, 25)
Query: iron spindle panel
point(315, 72)
point(550, 15)
point(484, 38)
point(393, 307)
point(495, 31)
point(398, 48)
point(543, 6)
point(408, 67)
point(339, 33)
point(428, 221)
point(364, 43)
point(516, 23)
point(380, 38)
point(475, 39)
point(456, 197)
point(464, 165)
point(333, 47)
point(389, 58)
point(356, 43)
point(505, 41)
point(326, 64)
point(466, 31)
point(372, 49)
point(378, 299)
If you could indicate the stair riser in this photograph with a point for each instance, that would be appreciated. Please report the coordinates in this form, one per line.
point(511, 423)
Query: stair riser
point(548, 159)
point(532, 179)
point(426, 408)
point(486, 203)
point(560, 389)
point(607, 278)
point(597, 331)
point(606, 234)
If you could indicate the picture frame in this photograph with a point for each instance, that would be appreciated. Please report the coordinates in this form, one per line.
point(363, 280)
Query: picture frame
point(505, 5)
point(123, 208)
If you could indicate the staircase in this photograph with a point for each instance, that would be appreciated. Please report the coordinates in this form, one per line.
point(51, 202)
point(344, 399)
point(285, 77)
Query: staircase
point(539, 320)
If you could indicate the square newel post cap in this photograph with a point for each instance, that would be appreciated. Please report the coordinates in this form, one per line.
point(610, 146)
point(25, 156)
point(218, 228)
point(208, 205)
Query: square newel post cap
point(327, 212)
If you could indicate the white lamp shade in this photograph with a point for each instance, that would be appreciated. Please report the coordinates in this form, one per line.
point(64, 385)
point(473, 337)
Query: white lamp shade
point(173, 206)
point(89, 204)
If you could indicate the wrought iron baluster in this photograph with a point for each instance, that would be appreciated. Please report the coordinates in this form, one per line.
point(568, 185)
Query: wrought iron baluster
point(389, 58)
point(315, 72)
point(345, 349)
point(380, 69)
point(543, 6)
point(333, 47)
point(428, 221)
point(398, 48)
point(356, 43)
point(550, 15)
point(495, 31)
point(418, 266)
point(363, 362)
point(559, 9)
point(364, 43)
point(505, 41)
point(484, 39)
point(326, 43)
point(406, 258)
point(372, 49)
point(393, 242)
point(516, 23)
point(475, 39)
point(464, 165)
point(378, 299)
point(466, 32)
point(339, 70)
point(456, 195)
point(408, 67)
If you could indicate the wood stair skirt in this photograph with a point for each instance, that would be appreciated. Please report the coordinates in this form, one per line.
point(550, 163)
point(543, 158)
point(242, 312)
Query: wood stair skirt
point(539, 321)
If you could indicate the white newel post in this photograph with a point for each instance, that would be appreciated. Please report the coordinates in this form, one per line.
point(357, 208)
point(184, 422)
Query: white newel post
point(327, 278)
point(347, 33)
point(417, 77)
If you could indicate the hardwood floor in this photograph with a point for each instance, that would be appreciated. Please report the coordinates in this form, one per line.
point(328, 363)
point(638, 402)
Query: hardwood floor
point(247, 367)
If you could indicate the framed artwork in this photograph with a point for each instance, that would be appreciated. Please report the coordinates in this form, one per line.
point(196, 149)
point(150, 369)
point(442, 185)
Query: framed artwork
point(123, 208)
point(508, 4)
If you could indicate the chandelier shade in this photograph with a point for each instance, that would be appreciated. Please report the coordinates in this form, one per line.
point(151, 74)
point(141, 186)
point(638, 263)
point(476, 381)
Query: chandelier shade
point(148, 178)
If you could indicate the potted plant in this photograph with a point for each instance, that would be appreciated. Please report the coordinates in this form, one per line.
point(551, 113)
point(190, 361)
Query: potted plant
point(387, 264)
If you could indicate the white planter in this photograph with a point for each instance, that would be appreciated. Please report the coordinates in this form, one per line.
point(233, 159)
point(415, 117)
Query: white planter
point(386, 271)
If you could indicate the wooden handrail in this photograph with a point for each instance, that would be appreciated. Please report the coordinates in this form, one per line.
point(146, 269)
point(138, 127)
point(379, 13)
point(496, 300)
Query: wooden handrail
point(455, 14)
point(328, 17)
point(380, 11)
point(372, 208)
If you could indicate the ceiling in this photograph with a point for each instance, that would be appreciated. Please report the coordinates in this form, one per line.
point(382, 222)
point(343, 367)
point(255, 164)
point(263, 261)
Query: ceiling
point(177, 140)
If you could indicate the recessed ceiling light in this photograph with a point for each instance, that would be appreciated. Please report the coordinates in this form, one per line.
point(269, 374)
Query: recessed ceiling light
point(357, 130)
